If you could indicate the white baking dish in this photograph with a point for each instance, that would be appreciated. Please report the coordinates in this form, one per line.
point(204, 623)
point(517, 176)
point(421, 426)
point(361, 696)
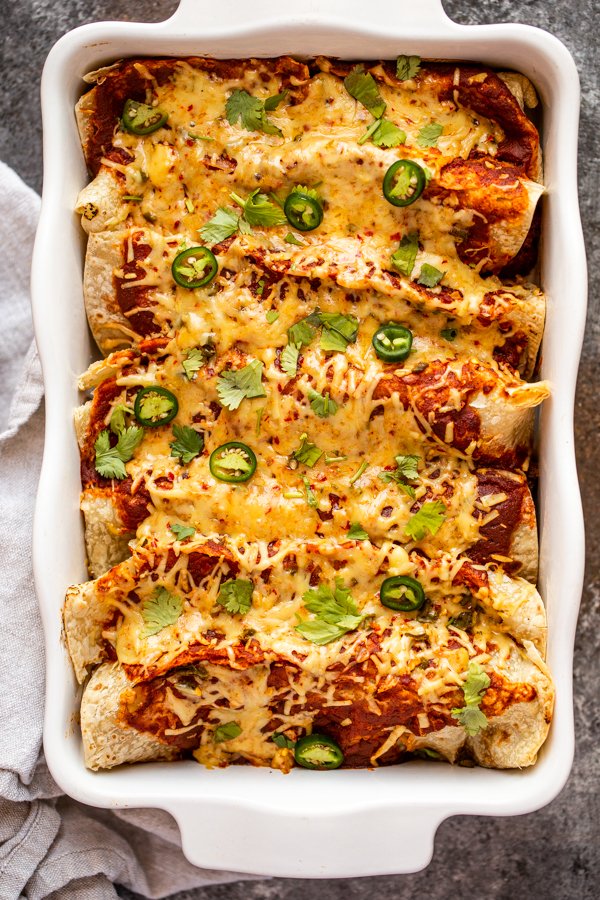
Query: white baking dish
point(342, 823)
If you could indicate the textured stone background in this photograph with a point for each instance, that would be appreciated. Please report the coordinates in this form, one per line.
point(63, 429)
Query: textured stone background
point(554, 853)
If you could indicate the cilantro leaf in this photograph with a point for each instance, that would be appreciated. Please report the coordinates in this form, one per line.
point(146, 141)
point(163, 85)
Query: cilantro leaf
point(282, 741)
point(470, 715)
point(110, 461)
point(271, 316)
point(362, 86)
point(250, 111)
point(289, 359)
point(334, 610)
point(403, 259)
point(273, 102)
point(428, 519)
point(291, 238)
point(196, 359)
point(233, 385)
point(407, 67)
point(223, 224)
point(302, 333)
point(226, 732)
point(357, 533)
point(160, 610)
point(384, 133)
point(188, 443)
point(322, 404)
point(258, 209)
point(117, 418)
point(449, 334)
point(338, 331)
point(406, 470)
point(429, 134)
point(236, 595)
point(430, 276)
point(182, 532)
point(308, 454)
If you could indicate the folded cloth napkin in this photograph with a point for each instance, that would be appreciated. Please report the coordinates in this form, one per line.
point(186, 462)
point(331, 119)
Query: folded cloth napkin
point(50, 845)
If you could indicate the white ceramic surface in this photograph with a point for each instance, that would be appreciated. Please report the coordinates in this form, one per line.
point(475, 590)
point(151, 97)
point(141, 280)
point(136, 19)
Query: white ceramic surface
point(311, 824)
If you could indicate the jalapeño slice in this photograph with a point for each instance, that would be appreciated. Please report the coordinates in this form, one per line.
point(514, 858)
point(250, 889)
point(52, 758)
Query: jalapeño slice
point(317, 751)
point(392, 342)
point(139, 118)
point(233, 462)
point(401, 592)
point(194, 267)
point(155, 406)
point(403, 183)
point(303, 211)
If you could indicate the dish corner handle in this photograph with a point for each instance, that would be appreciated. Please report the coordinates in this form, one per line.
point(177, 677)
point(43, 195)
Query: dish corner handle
point(425, 13)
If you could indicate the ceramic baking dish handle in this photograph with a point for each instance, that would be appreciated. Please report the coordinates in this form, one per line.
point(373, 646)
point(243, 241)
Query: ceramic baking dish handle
point(236, 837)
point(199, 15)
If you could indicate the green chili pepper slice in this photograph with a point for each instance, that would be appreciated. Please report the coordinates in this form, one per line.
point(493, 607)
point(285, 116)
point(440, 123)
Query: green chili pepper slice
point(317, 751)
point(392, 342)
point(302, 211)
point(401, 592)
point(233, 462)
point(155, 406)
point(194, 267)
point(139, 118)
point(403, 183)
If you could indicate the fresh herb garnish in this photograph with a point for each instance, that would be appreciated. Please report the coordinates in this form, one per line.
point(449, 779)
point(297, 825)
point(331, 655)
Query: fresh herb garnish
point(223, 224)
point(357, 533)
point(470, 715)
point(428, 520)
point(310, 494)
point(289, 359)
point(110, 461)
point(360, 471)
point(226, 732)
point(362, 86)
point(271, 316)
point(335, 613)
point(160, 611)
point(187, 444)
point(430, 276)
point(322, 404)
point(251, 112)
point(282, 741)
point(383, 133)
point(258, 209)
point(407, 67)
point(273, 102)
point(429, 134)
point(449, 334)
point(307, 453)
point(118, 422)
point(291, 238)
point(403, 259)
point(236, 595)
point(337, 330)
point(196, 359)
point(406, 470)
point(233, 385)
point(182, 532)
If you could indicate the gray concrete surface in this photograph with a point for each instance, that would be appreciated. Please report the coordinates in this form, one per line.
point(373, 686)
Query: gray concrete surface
point(552, 854)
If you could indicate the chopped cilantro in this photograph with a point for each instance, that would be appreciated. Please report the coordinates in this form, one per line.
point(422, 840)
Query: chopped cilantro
point(449, 334)
point(110, 461)
point(226, 732)
point(291, 238)
point(182, 532)
point(428, 519)
point(160, 611)
point(271, 316)
point(429, 134)
point(258, 209)
point(403, 260)
point(338, 331)
point(430, 276)
point(196, 359)
point(362, 86)
point(259, 414)
point(470, 715)
point(118, 422)
point(233, 385)
point(406, 470)
point(223, 224)
point(310, 494)
point(407, 67)
point(335, 613)
point(307, 453)
point(360, 471)
point(273, 102)
point(301, 334)
point(188, 443)
point(384, 133)
point(322, 404)
point(282, 741)
point(236, 595)
point(250, 112)
point(357, 533)
point(289, 359)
